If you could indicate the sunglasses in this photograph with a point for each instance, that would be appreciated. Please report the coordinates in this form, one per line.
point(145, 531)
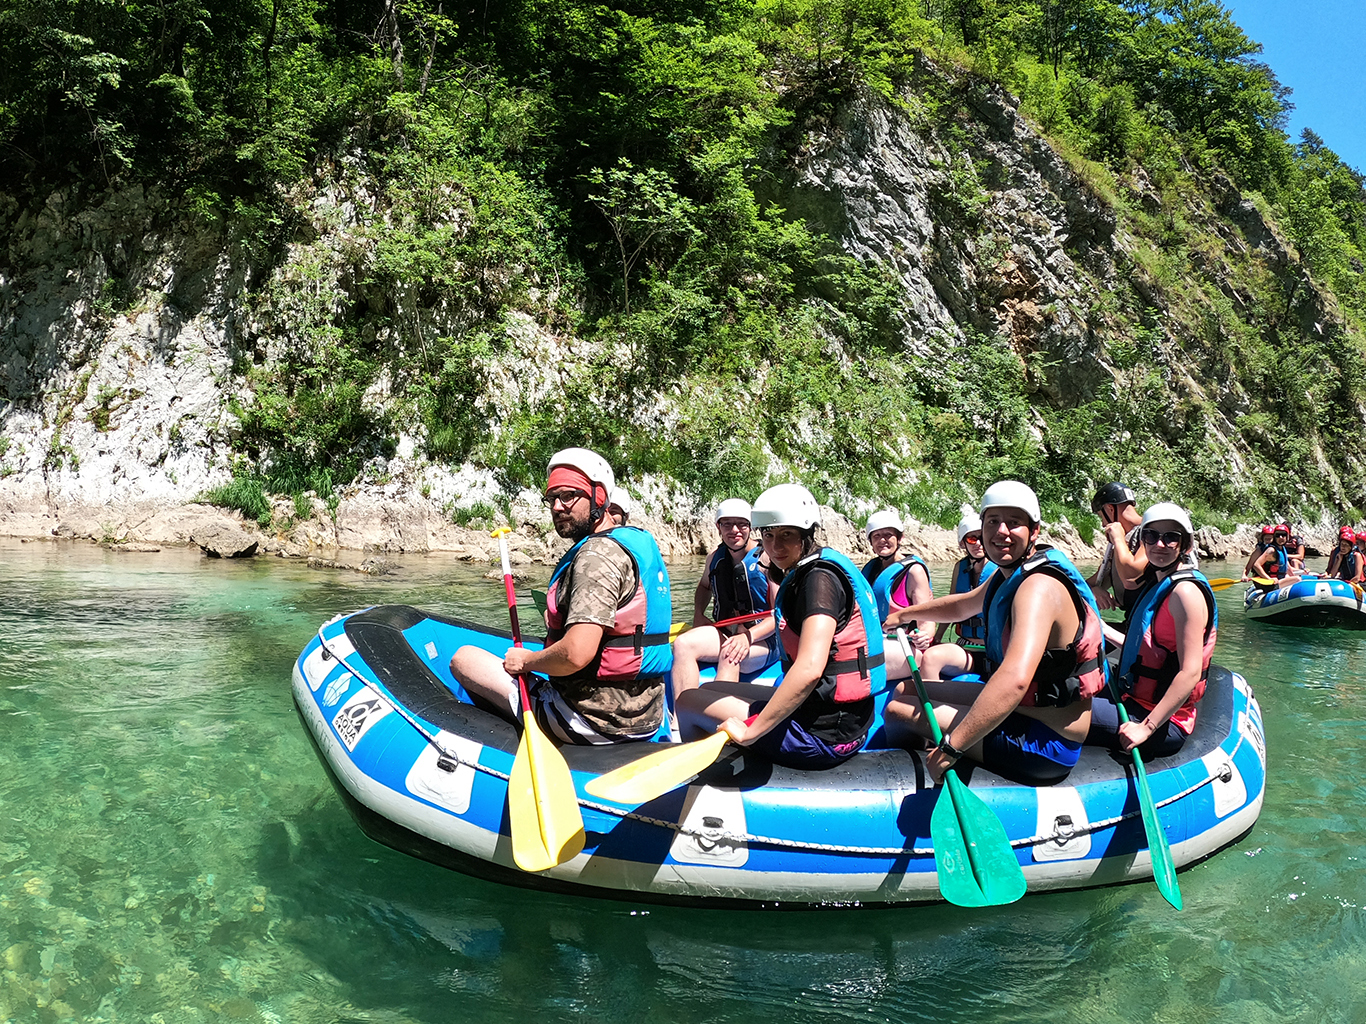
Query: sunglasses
point(565, 498)
point(1166, 537)
point(972, 538)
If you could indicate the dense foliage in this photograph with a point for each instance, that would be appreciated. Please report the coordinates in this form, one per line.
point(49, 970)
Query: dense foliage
point(614, 172)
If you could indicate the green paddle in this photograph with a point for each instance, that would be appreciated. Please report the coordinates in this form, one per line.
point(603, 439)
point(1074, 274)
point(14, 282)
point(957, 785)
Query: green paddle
point(972, 853)
point(1164, 869)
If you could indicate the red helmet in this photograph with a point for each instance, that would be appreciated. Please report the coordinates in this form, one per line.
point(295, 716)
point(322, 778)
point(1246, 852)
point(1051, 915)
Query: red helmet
point(1361, 535)
point(1266, 531)
point(1347, 533)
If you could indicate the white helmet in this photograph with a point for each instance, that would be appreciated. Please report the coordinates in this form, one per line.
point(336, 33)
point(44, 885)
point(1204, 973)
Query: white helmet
point(733, 508)
point(591, 465)
point(884, 520)
point(970, 523)
point(620, 499)
point(1012, 494)
point(1168, 510)
point(785, 505)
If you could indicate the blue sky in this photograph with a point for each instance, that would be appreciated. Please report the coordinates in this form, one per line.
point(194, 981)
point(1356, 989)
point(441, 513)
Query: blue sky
point(1316, 47)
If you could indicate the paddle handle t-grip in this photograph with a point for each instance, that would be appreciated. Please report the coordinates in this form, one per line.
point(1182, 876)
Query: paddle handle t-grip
point(501, 533)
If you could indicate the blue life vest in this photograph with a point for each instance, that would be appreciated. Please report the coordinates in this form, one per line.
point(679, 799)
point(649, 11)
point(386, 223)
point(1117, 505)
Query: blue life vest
point(1282, 564)
point(756, 588)
point(1131, 670)
point(643, 623)
point(889, 580)
point(1089, 674)
point(974, 628)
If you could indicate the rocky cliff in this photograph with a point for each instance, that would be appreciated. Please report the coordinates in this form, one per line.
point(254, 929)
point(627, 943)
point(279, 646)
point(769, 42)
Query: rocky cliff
point(128, 326)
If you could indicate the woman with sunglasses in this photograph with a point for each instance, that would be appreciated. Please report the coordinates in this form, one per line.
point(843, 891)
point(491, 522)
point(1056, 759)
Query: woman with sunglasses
point(1274, 562)
point(1167, 649)
point(968, 572)
point(831, 650)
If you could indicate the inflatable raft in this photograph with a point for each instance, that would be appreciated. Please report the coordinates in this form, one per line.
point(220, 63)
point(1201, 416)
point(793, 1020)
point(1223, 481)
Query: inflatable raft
point(426, 773)
point(1309, 601)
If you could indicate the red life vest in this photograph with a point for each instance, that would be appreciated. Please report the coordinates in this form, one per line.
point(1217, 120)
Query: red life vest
point(1148, 671)
point(856, 655)
point(636, 645)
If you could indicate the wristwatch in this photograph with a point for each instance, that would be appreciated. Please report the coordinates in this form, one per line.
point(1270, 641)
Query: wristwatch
point(949, 750)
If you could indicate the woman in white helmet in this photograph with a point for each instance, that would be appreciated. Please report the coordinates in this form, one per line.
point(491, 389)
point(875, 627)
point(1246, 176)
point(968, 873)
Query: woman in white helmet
point(884, 531)
point(819, 715)
point(898, 580)
point(735, 582)
point(619, 506)
point(1025, 718)
point(1173, 625)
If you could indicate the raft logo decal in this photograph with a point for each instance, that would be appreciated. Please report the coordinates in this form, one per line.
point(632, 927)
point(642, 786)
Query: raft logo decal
point(336, 688)
point(358, 715)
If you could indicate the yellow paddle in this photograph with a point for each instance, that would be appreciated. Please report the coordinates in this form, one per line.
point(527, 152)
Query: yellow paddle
point(655, 774)
point(1224, 582)
point(543, 808)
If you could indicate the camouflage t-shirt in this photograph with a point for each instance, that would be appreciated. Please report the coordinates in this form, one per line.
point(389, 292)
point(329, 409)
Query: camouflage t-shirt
point(600, 580)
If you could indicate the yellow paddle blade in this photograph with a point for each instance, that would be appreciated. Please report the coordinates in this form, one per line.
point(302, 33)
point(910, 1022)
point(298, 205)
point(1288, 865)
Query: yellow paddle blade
point(543, 809)
point(675, 629)
point(1223, 582)
point(657, 773)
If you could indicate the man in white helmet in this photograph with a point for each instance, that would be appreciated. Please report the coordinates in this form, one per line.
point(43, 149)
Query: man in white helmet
point(734, 583)
point(600, 677)
point(1027, 717)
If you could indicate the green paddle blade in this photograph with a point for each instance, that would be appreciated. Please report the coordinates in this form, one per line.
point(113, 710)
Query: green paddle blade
point(1164, 869)
point(972, 853)
point(543, 809)
point(539, 599)
point(655, 774)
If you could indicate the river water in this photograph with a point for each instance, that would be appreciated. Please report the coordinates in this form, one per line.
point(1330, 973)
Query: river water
point(171, 851)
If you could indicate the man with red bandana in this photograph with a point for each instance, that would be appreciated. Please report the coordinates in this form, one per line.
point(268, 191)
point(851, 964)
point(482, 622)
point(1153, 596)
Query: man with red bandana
point(600, 677)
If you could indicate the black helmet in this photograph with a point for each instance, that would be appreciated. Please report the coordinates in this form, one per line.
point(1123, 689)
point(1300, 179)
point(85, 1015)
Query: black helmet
point(1112, 494)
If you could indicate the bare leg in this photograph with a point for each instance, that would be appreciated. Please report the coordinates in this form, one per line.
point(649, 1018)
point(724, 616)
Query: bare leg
point(702, 709)
point(481, 673)
point(693, 647)
point(908, 727)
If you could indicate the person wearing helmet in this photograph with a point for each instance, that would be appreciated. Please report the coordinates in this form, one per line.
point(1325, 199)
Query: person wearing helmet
point(1166, 654)
point(1343, 561)
point(600, 677)
point(1274, 562)
point(968, 572)
point(1294, 550)
point(735, 582)
point(820, 713)
point(1263, 544)
point(1026, 716)
point(619, 506)
point(884, 531)
point(898, 581)
point(1115, 583)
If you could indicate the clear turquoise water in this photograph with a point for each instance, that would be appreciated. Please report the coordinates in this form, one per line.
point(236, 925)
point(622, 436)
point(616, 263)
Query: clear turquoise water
point(170, 850)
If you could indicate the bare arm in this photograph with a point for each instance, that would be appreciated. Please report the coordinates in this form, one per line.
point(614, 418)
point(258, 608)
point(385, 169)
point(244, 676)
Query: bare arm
point(1033, 621)
point(1129, 565)
point(700, 600)
point(812, 651)
point(567, 655)
point(950, 608)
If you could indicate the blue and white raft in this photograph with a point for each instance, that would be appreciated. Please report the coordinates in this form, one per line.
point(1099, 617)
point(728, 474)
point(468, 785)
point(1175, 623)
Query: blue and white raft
point(1309, 601)
point(426, 773)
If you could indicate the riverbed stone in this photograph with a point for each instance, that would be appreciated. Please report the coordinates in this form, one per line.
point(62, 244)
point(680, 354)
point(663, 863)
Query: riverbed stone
point(225, 539)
